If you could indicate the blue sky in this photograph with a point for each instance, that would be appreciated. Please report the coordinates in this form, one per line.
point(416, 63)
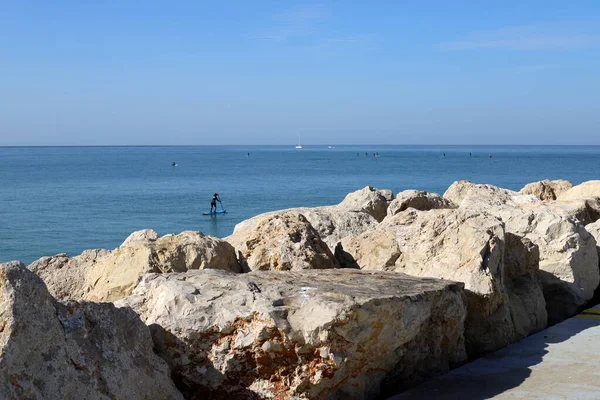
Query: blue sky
point(338, 72)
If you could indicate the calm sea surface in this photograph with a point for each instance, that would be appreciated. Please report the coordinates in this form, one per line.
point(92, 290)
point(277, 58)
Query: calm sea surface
point(67, 199)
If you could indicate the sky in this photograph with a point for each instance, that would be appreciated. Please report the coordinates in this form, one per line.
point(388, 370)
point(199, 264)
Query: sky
point(268, 72)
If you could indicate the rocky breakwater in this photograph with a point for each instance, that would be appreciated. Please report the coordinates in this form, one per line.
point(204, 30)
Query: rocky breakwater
point(103, 275)
point(335, 333)
point(428, 281)
point(52, 350)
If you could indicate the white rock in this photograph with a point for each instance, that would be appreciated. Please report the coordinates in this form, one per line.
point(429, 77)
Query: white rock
point(568, 260)
point(281, 242)
point(50, 350)
point(102, 275)
point(419, 200)
point(302, 334)
point(458, 245)
point(546, 189)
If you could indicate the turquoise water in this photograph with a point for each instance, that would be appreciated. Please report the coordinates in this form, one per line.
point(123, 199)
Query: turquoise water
point(67, 199)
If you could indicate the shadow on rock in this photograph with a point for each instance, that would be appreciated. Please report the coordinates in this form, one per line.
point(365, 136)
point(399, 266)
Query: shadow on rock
point(344, 258)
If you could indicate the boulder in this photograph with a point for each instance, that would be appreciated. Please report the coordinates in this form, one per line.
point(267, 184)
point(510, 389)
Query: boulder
point(370, 200)
point(358, 212)
point(340, 334)
point(587, 193)
point(102, 275)
point(419, 200)
point(478, 197)
point(458, 245)
point(143, 236)
point(583, 210)
point(50, 350)
point(546, 189)
point(594, 230)
point(523, 286)
point(585, 190)
point(65, 277)
point(281, 242)
point(331, 222)
point(568, 260)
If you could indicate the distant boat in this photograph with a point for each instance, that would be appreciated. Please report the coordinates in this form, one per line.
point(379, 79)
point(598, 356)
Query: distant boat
point(299, 145)
point(331, 147)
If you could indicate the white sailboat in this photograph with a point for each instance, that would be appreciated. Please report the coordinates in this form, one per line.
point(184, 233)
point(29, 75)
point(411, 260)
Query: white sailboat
point(299, 145)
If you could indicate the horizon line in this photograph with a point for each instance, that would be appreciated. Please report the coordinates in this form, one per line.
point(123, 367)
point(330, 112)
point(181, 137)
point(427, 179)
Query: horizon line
point(293, 145)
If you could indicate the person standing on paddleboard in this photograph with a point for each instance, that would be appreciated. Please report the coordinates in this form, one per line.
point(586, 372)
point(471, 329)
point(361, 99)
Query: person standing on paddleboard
point(213, 202)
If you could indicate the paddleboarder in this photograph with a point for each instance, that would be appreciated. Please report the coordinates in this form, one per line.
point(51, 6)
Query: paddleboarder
point(213, 202)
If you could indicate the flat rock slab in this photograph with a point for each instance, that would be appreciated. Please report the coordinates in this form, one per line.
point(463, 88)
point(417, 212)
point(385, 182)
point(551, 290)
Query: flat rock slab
point(560, 362)
point(339, 334)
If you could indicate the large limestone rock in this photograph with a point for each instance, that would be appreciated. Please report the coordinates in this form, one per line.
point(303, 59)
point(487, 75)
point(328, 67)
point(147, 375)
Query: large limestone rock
point(102, 275)
point(594, 230)
point(143, 236)
point(523, 286)
point(449, 244)
point(481, 197)
point(586, 195)
point(338, 334)
point(66, 276)
point(568, 260)
point(281, 242)
point(585, 190)
point(419, 200)
point(331, 222)
point(50, 350)
point(547, 189)
point(358, 212)
point(334, 223)
point(370, 200)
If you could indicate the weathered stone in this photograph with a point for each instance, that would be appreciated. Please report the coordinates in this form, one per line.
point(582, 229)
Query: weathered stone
point(143, 236)
point(583, 210)
point(478, 197)
point(354, 215)
point(66, 276)
point(281, 242)
point(568, 260)
point(301, 334)
point(73, 351)
point(331, 222)
point(419, 200)
point(588, 193)
point(546, 189)
point(525, 295)
point(449, 244)
point(585, 190)
point(102, 275)
point(594, 230)
point(370, 200)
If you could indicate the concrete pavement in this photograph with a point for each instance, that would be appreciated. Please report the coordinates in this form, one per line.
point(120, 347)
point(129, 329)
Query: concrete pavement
point(561, 362)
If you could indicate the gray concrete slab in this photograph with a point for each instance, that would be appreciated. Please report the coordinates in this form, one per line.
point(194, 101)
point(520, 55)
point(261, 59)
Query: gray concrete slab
point(561, 362)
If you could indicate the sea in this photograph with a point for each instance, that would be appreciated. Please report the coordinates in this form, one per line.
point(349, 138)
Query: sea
point(68, 199)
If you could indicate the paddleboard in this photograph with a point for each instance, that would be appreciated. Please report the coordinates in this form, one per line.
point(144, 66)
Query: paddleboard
point(215, 212)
